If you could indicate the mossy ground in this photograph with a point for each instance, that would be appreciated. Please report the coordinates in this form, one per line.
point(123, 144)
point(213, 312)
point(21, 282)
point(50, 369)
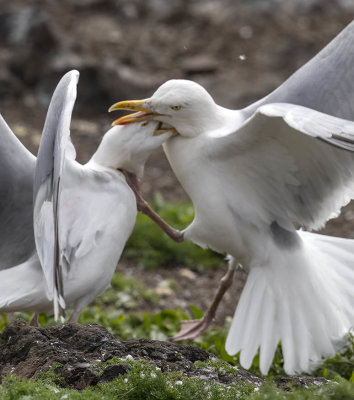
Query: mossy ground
point(145, 382)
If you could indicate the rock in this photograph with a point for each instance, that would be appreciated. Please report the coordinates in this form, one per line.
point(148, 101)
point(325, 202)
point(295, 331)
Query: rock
point(10, 86)
point(187, 273)
point(33, 41)
point(287, 383)
point(113, 371)
point(27, 351)
point(199, 64)
point(90, 90)
point(78, 376)
point(101, 82)
point(29, 40)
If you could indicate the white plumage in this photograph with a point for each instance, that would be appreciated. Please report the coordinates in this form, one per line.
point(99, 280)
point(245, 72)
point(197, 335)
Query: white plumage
point(254, 176)
point(83, 214)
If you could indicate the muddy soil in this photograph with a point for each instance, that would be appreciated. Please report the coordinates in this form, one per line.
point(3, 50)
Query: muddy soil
point(27, 351)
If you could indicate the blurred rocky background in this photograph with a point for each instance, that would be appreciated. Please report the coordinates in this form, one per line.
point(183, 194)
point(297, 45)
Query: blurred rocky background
point(239, 50)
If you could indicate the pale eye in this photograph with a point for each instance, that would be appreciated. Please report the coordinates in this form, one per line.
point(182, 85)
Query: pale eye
point(175, 108)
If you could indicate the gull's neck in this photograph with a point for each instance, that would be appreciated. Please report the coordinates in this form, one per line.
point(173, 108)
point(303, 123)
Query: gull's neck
point(116, 153)
point(108, 154)
point(223, 121)
point(230, 119)
point(211, 119)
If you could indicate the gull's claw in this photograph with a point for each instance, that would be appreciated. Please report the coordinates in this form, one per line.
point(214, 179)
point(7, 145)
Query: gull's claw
point(193, 328)
point(144, 207)
point(190, 329)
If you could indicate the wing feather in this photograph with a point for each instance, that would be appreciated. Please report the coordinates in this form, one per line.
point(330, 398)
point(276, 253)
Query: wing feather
point(296, 178)
point(17, 167)
point(55, 146)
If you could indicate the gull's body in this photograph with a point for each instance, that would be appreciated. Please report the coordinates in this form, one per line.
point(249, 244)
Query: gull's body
point(254, 176)
point(83, 214)
point(97, 215)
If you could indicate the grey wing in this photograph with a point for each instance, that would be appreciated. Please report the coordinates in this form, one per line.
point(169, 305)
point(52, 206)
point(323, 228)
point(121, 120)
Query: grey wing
point(325, 83)
point(290, 175)
point(336, 131)
point(55, 146)
point(17, 166)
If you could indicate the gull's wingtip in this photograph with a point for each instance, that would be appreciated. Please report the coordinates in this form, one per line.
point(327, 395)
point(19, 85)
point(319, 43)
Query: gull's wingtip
point(73, 75)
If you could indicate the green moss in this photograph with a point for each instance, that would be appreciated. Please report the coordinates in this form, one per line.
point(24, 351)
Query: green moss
point(126, 293)
point(159, 326)
point(342, 390)
point(221, 367)
point(144, 382)
point(340, 365)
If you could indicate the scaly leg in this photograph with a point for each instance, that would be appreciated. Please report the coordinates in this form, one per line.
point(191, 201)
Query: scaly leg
point(191, 329)
point(75, 315)
point(34, 320)
point(144, 207)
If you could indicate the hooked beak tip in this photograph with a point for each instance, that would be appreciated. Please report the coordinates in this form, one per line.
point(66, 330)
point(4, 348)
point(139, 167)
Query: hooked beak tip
point(131, 105)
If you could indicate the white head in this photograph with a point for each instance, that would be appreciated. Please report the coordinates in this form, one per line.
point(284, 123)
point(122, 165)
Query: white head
point(129, 146)
point(182, 104)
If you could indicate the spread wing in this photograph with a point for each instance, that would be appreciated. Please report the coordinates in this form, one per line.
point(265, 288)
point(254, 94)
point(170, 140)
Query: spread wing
point(55, 148)
point(288, 175)
point(17, 166)
point(325, 83)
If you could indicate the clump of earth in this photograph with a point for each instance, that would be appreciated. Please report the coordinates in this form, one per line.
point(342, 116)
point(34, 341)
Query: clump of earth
point(73, 352)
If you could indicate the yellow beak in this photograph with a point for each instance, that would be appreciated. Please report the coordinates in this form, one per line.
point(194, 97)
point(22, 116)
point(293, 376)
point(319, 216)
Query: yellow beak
point(142, 114)
point(133, 105)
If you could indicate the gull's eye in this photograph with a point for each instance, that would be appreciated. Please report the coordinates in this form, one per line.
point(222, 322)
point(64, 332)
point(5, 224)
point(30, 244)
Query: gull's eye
point(175, 108)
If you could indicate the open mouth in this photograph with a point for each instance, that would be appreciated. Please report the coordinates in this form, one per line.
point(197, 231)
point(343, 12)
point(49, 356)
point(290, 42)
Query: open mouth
point(143, 114)
point(135, 117)
point(146, 117)
point(162, 128)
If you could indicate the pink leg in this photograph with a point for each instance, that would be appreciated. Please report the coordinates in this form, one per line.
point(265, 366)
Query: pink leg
point(144, 207)
point(191, 329)
point(74, 316)
point(34, 320)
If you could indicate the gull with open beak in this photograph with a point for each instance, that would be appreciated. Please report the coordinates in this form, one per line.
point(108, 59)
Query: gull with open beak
point(82, 214)
point(255, 175)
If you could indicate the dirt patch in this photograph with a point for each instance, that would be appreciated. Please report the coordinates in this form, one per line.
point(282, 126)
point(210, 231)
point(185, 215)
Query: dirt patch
point(27, 351)
point(181, 287)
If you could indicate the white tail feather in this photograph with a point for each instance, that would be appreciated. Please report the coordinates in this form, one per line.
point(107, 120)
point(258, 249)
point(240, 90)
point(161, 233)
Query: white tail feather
point(304, 298)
